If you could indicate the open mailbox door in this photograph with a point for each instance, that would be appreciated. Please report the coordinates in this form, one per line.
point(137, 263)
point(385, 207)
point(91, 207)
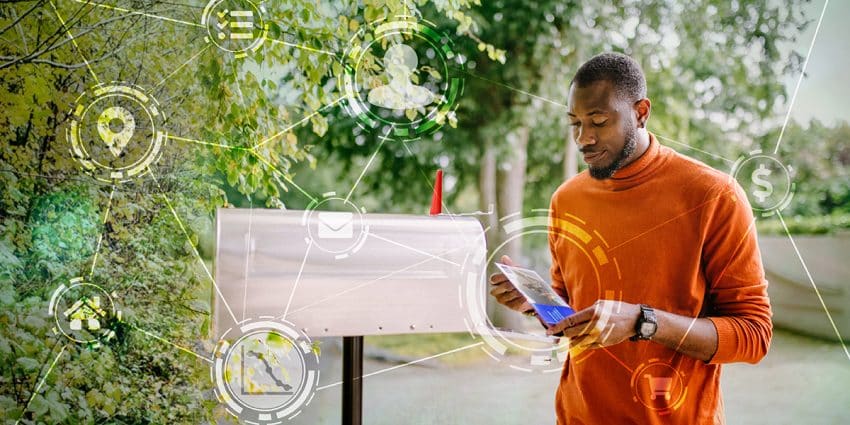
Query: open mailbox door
point(347, 273)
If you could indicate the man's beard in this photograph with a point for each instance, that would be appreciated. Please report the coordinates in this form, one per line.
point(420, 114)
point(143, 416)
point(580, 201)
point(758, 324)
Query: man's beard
point(602, 173)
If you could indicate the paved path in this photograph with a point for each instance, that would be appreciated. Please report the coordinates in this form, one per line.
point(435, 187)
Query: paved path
point(801, 381)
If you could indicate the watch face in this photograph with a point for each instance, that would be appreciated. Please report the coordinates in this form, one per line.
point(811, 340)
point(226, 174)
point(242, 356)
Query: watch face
point(647, 329)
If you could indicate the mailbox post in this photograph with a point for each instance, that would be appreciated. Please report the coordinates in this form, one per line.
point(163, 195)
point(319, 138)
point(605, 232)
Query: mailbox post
point(348, 274)
point(352, 380)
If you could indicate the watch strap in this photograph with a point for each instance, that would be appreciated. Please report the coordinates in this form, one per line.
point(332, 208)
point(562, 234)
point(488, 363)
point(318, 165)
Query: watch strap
point(647, 315)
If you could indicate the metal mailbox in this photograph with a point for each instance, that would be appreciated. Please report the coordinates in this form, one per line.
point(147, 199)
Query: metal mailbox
point(346, 273)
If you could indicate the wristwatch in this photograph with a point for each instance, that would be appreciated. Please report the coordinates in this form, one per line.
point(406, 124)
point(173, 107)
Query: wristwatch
point(646, 324)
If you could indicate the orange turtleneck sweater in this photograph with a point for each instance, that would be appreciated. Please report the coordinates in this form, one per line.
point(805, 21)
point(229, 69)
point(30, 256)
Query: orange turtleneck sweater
point(673, 233)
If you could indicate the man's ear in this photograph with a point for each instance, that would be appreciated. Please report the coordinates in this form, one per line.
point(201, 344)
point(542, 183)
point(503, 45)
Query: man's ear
point(642, 109)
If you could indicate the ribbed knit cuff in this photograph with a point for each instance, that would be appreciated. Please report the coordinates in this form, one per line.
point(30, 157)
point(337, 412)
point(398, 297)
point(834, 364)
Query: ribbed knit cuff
point(727, 341)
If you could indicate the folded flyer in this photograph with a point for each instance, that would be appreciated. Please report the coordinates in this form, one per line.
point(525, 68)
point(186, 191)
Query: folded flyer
point(548, 305)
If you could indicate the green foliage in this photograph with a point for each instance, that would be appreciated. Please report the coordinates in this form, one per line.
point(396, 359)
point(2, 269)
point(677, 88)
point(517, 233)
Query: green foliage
point(51, 219)
point(235, 124)
point(162, 290)
point(818, 158)
point(417, 346)
point(701, 63)
point(64, 225)
point(256, 103)
point(263, 123)
point(814, 225)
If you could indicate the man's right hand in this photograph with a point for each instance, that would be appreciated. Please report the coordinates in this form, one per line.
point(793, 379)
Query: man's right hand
point(505, 292)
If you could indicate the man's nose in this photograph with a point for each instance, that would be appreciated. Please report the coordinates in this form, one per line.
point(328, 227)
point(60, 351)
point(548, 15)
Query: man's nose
point(585, 137)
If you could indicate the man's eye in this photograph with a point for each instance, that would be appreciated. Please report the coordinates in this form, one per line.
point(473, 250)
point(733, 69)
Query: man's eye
point(575, 124)
point(600, 124)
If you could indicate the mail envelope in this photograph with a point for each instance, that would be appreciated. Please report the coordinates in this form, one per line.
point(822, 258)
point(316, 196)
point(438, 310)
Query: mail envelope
point(336, 225)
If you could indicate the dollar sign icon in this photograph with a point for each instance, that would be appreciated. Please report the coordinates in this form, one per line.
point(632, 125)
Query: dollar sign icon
point(764, 187)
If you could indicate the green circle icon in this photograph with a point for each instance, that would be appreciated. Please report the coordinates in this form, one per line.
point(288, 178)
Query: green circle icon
point(401, 78)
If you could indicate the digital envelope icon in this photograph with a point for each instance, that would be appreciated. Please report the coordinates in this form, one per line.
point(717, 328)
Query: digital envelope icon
point(336, 225)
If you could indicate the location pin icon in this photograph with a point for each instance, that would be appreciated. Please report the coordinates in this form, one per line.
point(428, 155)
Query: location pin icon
point(116, 141)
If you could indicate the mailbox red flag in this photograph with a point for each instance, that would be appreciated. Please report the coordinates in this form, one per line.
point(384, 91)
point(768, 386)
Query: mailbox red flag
point(437, 197)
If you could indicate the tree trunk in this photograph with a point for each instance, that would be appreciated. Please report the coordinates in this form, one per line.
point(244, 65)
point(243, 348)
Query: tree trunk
point(487, 191)
point(511, 177)
point(511, 185)
point(570, 158)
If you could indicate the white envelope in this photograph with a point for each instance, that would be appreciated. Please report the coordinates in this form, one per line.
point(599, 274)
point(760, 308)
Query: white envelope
point(336, 225)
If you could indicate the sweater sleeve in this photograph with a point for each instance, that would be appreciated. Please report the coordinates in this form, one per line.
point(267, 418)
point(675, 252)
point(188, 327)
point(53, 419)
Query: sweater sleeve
point(737, 290)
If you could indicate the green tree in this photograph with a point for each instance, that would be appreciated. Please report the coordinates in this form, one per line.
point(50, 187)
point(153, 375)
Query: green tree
point(817, 158)
point(227, 120)
point(714, 72)
point(700, 62)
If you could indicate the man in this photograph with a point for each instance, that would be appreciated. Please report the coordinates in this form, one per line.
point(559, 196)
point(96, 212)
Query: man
point(680, 256)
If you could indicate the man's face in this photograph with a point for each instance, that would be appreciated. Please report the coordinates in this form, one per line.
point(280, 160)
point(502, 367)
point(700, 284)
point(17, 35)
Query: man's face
point(604, 126)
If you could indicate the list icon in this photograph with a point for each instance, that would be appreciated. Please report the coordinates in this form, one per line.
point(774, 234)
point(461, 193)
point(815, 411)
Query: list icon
point(235, 24)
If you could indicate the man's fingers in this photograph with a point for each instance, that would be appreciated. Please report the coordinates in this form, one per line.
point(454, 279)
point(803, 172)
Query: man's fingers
point(584, 315)
point(573, 325)
point(516, 304)
point(509, 298)
point(584, 341)
point(502, 289)
point(586, 328)
point(497, 278)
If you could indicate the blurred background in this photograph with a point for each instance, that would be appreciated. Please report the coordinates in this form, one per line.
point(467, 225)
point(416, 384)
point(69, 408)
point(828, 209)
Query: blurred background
point(725, 78)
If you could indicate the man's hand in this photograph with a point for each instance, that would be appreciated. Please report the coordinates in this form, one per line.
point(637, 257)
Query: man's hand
point(604, 323)
point(505, 292)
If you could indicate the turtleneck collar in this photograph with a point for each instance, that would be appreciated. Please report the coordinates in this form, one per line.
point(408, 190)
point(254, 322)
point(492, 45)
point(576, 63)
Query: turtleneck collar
point(638, 170)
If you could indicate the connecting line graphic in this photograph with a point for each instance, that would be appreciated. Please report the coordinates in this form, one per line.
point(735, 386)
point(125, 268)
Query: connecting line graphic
point(406, 364)
point(196, 25)
point(301, 46)
point(667, 139)
point(247, 257)
point(298, 278)
point(812, 281)
point(194, 248)
point(303, 120)
point(406, 10)
point(372, 158)
point(800, 80)
point(606, 315)
point(181, 67)
point(199, 142)
point(682, 341)
point(367, 283)
point(515, 89)
point(160, 339)
point(103, 224)
point(427, 254)
point(617, 359)
point(653, 228)
point(136, 12)
point(41, 382)
point(283, 175)
point(73, 40)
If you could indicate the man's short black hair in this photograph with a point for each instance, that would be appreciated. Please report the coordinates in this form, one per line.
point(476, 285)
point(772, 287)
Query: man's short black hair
point(622, 71)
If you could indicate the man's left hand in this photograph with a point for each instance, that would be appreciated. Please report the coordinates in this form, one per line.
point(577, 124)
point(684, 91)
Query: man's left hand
point(605, 323)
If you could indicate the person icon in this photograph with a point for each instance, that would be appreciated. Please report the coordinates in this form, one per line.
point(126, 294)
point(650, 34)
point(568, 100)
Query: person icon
point(399, 62)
